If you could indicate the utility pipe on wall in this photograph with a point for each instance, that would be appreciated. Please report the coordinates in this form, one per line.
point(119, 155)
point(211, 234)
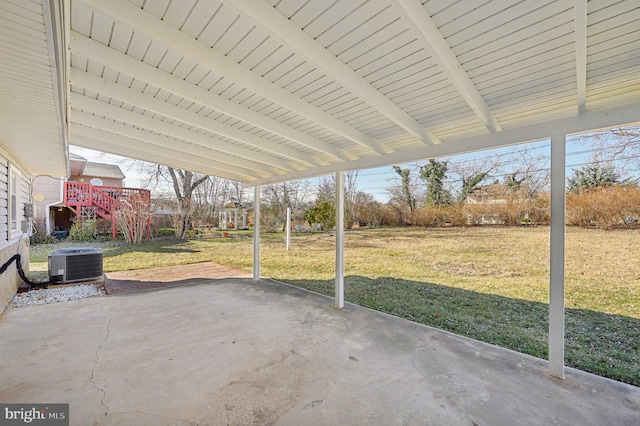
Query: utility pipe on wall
point(47, 208)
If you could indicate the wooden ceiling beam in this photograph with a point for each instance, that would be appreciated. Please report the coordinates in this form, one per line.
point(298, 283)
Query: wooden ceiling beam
point(103, 141)
point(99, 85)
point(135, 17)
point(179, 148)
point(414, 13)
point(289, 34)
point(580, 8)
point(139, 70)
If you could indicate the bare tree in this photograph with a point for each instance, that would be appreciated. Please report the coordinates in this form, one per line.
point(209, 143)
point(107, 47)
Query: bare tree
point(471, 173)
point(326, 189)
point(208, 197)
point(405, 185)
point(406, 194)
point(618, 146)
point(327, 193)
point(278, 197)
point(367, 210)
point(213, 194)
point(529, 169)
point(196, 195)
point(236, 191)
point(351, 198)
point(184, 183)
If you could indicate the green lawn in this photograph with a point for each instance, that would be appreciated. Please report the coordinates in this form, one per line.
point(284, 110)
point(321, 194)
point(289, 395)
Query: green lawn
point(488, 283)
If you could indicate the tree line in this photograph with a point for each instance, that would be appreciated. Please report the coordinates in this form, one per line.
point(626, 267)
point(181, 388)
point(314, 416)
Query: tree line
point(509, 188)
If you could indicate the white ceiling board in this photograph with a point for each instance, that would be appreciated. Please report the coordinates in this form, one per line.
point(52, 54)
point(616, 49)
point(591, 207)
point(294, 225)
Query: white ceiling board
point(170, 36)
point(140, 150)
point(149, 103)
point(434, 42)
point(33, 127)
point(155, 76)
point(226, 152)
point(265, 91)
point(102, 129)
point(287, 32)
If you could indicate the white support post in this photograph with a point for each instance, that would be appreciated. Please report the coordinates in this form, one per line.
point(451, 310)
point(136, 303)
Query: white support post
point(557, 256)
point(339, 240)
point(288, 228)
point(256, 233)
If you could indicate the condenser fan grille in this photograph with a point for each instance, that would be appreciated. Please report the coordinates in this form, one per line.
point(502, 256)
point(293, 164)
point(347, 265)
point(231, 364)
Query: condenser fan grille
point(72, 265)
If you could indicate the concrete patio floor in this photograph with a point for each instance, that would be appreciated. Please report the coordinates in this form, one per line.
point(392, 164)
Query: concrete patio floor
point(233, 351)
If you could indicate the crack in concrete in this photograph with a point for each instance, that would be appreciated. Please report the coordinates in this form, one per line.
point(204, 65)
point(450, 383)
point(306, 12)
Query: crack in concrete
point(102, 391)
point(97, 360)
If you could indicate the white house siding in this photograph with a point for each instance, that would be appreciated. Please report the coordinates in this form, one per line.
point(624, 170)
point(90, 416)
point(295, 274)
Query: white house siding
point(10, 280)
point(4, 200)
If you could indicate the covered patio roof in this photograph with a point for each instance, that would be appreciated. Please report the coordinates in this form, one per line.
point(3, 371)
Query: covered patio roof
point(273, 90)
point(267, 91)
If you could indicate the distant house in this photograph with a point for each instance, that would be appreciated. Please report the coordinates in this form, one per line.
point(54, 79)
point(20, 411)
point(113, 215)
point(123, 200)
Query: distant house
point(162, 213)
point(496, 194)
point(50, 210)
point(97, 174)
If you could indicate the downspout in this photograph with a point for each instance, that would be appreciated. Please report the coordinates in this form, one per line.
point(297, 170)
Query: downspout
point(57, 18)
point(48, 207)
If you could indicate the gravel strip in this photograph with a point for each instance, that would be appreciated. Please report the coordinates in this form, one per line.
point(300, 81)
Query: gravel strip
point(56, 294)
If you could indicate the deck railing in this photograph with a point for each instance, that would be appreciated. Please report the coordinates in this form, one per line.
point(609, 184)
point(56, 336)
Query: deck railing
point(104, 199)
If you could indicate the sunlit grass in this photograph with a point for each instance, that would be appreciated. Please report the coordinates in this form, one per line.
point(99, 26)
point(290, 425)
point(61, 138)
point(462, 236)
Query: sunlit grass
point(488, 283)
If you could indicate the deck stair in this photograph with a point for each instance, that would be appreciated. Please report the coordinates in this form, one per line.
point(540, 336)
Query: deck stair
point(88, 201)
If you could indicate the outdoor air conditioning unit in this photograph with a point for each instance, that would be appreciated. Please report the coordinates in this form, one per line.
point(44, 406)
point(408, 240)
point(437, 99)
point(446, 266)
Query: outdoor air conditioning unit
point(75, 264)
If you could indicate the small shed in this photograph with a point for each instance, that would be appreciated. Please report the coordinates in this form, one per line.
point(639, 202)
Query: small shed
point(232, 216)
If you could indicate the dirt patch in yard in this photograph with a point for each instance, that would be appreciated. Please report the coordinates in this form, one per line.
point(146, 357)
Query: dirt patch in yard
point(170, 276)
